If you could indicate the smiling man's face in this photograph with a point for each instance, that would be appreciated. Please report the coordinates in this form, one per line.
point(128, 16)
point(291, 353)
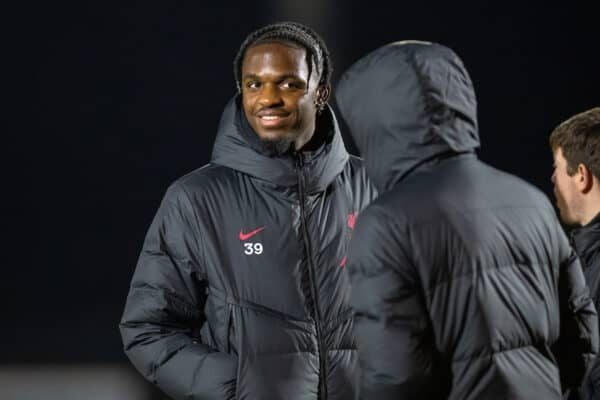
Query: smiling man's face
point(277, 98)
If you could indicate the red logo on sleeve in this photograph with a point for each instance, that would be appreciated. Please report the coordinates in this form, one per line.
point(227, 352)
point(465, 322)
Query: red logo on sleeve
point(352, 219)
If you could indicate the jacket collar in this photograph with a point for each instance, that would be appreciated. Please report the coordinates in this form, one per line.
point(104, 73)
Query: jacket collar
point(239, 148)
point(586, 240)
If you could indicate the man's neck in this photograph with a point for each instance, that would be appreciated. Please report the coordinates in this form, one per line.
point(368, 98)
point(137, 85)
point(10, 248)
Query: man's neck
point(312, 139)
point(592, 205)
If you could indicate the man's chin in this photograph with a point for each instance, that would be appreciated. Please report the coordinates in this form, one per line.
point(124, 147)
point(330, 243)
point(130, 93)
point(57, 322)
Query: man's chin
point(277, 147)
point(566, 219)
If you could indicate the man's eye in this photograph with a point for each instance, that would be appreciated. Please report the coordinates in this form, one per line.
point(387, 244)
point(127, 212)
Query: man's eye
point(252, 85)
point(290, 85)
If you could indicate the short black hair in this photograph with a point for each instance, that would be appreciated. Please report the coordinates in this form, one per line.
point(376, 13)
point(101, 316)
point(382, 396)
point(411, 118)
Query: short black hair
point(288, 32)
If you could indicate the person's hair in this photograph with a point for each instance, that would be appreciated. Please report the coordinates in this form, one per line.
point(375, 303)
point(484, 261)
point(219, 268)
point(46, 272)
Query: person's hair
point(579, 139)
point(288, 33)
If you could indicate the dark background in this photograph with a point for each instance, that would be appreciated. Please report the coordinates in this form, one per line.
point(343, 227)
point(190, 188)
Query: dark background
point(116, 100)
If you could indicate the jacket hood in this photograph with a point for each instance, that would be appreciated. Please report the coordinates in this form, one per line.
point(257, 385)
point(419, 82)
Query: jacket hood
point(238, 147)
point(405, 104)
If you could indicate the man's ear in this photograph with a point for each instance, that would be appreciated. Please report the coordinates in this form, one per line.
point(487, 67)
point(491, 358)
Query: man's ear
point(585, 179)
point(323, 93)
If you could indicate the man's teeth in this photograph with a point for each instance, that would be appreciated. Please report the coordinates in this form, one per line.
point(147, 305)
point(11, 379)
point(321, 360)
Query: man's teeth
point(270, 117)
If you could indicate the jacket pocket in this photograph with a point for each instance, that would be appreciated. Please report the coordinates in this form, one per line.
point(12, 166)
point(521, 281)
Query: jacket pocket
point(278, 356)
point(231, 337)
point(215, 332)
point(277, 353)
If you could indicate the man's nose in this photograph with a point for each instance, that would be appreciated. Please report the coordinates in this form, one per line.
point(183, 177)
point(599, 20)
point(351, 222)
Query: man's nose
point(270, 96)
point(553, 177)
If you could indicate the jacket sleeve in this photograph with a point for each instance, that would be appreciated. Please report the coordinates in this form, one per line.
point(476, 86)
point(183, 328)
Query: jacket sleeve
point(164, 310)
point(577, 345)
point(391, 324)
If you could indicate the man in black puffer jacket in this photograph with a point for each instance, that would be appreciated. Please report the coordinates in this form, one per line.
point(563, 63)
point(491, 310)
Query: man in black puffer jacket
point(240, 290)
point(463, 283)
point(576, 149)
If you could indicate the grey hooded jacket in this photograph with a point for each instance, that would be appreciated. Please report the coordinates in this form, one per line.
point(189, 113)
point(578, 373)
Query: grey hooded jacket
point(240, 290)
point(463, 283)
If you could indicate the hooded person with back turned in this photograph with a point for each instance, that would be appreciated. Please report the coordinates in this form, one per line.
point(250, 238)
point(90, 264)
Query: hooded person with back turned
point(464, 285)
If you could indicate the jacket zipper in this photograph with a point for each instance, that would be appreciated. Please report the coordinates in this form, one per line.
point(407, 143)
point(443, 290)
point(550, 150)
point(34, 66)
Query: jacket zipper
point(311, 277)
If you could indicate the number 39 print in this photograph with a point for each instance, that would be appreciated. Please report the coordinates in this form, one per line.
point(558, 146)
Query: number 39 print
point(253, 248)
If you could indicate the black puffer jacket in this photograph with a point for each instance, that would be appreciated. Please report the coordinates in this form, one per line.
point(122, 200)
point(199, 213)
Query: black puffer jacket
point(463, 282)
point(240, 290)
point(586, 241)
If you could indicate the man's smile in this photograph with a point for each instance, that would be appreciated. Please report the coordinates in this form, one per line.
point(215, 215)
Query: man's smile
point(272, 119)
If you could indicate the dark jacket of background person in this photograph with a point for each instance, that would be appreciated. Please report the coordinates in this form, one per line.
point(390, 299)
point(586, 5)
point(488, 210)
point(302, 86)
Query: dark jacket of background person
point(239, 292)
point(586, 241)
point(463, 283)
